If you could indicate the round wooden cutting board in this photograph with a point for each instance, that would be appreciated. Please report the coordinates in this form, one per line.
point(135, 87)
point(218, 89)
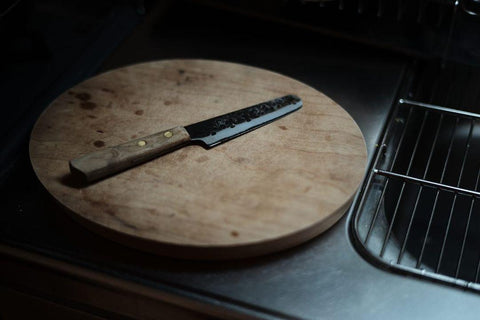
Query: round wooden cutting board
point(267, 190)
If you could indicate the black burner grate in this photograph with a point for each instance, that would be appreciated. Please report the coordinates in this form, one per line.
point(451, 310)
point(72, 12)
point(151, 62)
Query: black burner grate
point(420, 208)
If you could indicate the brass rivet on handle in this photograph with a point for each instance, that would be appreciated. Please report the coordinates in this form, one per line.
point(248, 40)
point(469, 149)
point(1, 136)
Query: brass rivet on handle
point(141, 143)
point(168, 134)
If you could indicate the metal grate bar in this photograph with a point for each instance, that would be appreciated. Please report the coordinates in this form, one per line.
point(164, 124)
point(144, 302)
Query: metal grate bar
point(402, 138)
point(402, 250)
point(441, 15)
point(439, 108)
point(467, 227)
point(399, 9)
point(419, 261)
point(387, 236)
point(471, 208)
point(380, 8)
point(421, 10)
point(450, 33)
point(467, 149)
point(427, 183)
point(361, 6)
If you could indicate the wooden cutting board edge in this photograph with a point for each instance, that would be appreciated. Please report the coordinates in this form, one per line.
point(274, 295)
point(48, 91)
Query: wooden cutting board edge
point(216, 252)
point(205, 252)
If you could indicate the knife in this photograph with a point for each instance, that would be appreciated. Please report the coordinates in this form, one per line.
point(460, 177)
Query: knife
point(209, 133)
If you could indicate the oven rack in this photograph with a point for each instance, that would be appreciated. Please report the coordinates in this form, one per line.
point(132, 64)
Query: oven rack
point(433, 12)
point(419, 211)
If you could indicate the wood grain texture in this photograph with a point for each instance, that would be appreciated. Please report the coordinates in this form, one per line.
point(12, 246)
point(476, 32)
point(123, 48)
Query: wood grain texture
point(107, 161)
point(268, 190)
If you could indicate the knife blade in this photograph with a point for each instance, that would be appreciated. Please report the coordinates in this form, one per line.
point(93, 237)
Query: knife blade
point(209, 133)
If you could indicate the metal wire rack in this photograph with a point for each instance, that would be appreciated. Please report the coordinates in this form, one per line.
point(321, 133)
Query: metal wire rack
point(419, 211)
point(420, 11)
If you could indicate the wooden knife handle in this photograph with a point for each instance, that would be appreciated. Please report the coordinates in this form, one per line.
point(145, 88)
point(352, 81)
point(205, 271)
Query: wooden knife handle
point(102, 163)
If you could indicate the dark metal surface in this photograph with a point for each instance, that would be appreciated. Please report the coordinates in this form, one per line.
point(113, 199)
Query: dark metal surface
point(228, 126)
point(324, 278)
point(420, 210)
point(442, 29)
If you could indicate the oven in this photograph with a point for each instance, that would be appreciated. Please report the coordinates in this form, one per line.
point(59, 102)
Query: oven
point(406, 71)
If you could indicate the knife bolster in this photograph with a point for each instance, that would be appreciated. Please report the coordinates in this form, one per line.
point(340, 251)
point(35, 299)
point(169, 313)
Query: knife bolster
point(105, 162)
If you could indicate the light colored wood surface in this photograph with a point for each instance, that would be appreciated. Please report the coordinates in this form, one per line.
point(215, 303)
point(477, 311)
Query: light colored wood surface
point(270, 189)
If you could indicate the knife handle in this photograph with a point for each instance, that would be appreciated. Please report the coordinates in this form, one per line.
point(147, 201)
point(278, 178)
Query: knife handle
point(102, 163)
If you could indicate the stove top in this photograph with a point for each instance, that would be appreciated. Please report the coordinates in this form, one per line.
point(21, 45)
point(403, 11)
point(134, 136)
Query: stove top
point(325, 277)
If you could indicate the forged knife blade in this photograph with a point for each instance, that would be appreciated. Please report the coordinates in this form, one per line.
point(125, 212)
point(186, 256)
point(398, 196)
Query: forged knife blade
point(209, 133)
